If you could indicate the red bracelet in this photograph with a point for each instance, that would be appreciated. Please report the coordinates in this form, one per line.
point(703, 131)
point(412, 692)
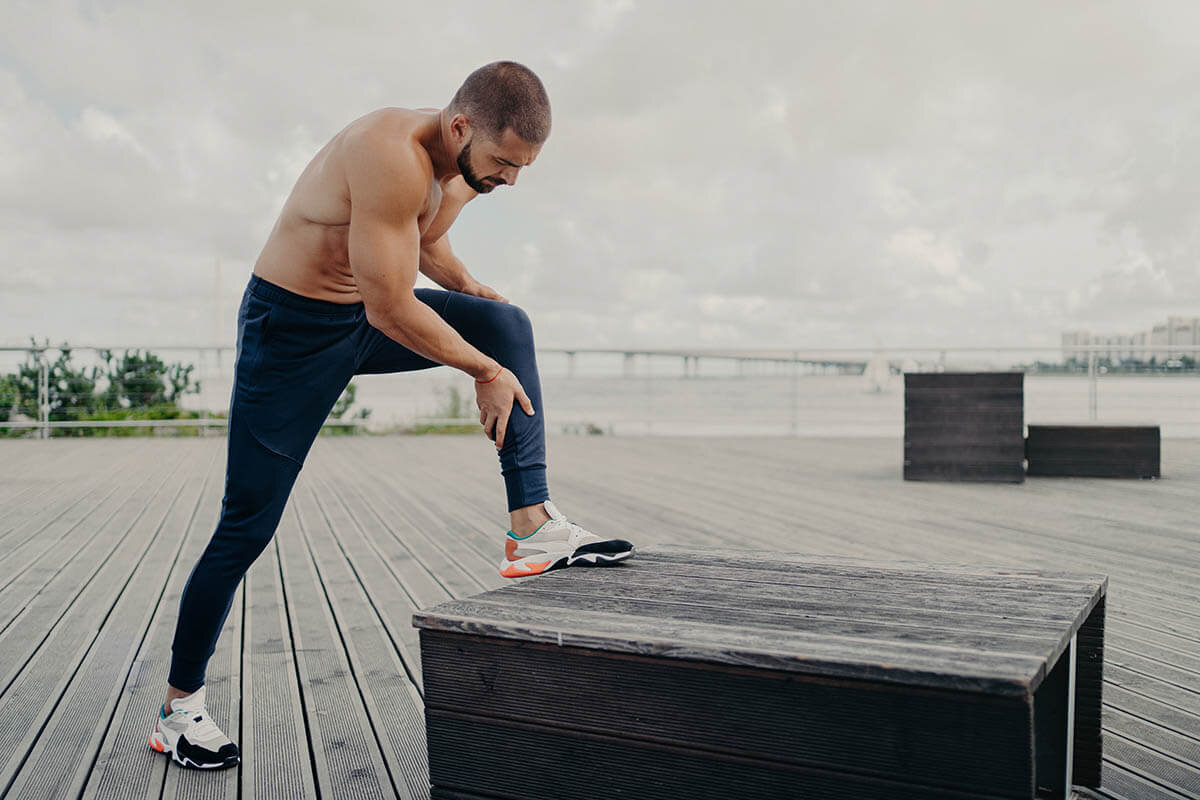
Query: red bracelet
point(489, 380)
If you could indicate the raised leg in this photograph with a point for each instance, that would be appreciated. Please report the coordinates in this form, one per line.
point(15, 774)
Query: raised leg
point(504, 332)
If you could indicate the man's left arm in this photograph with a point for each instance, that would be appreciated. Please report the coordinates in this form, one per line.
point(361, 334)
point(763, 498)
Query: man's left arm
point(438, 261)
point(443, 267)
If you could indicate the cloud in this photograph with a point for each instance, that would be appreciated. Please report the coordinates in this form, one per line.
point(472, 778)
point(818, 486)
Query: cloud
point(922, 248)
point(803, 174)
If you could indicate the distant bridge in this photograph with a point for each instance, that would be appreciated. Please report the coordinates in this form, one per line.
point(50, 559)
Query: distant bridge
point(823, 361)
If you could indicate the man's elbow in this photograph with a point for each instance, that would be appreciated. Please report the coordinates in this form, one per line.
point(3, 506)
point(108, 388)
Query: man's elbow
point(391, 315)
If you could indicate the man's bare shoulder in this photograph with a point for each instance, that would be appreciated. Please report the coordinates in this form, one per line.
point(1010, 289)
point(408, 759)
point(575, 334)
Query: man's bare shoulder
point(383, 150)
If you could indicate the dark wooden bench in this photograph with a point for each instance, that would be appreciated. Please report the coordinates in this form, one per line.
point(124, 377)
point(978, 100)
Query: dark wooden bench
point(697, 675)
point(964, 426)
point(1094, 451)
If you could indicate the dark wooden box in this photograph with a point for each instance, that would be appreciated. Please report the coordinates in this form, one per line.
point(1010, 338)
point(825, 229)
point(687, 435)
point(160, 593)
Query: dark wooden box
point(697, 675)
point(1094, 451)
point(964, 426)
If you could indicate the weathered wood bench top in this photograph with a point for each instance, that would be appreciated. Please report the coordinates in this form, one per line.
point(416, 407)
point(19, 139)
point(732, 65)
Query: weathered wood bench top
point(945, 626)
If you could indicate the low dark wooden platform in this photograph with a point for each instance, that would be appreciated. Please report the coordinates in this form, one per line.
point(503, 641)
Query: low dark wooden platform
point(964, 426)
point(1094, 451)
point(318, 671)
point(700, 674)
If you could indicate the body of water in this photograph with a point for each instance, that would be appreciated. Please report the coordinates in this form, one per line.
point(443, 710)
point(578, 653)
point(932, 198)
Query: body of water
point(807, 405)
point(651, 395)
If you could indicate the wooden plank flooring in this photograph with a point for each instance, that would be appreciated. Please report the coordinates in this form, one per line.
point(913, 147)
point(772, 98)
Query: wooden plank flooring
point(317, 673)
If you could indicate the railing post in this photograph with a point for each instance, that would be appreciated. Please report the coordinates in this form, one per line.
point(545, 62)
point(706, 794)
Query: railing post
point(649, 393)
point(43, 395)
point(795, 393)
point(1092, 384)
point(202, 428)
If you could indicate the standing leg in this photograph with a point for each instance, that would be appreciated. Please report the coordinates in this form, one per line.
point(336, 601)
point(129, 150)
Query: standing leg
point(257, 484)
point(294, 360)
point(295, 356)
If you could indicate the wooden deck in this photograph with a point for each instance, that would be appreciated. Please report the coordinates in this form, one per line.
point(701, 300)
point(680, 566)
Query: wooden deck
point(317, 671)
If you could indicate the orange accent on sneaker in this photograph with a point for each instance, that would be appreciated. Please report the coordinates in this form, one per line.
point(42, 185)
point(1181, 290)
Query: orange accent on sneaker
point(154, 745)
point(510, 549)
point(518, 570)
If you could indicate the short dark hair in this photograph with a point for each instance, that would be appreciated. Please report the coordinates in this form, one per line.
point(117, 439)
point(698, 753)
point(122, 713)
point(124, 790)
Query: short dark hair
point(505, 94)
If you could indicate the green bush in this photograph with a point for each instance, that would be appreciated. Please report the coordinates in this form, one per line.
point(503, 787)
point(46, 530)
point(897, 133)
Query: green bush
point(139, 386)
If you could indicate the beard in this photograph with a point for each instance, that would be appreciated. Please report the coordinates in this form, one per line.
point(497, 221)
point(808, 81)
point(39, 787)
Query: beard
point(469, 175)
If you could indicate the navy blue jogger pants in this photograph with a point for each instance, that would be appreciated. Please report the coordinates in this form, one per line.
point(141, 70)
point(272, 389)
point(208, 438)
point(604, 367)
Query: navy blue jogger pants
point(295, 356)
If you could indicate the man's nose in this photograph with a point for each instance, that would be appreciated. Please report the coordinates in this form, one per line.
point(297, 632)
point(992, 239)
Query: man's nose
point(510, 176)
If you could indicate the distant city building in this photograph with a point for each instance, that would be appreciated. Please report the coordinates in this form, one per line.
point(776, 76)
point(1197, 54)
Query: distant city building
point(1141, 346)
point(1072, 340)
point(1160, 334)
point(1140, 340)
point(1182, 331)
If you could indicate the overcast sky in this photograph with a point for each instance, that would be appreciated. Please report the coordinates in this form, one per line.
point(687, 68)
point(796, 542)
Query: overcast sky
point(719, 174)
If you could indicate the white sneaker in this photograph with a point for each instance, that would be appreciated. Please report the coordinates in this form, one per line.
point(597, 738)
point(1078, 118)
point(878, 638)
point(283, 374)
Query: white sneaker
point(559, 543)
point(192, 739)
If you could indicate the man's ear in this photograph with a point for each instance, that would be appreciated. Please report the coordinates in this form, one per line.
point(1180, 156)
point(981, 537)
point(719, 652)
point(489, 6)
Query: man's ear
point(460, 128)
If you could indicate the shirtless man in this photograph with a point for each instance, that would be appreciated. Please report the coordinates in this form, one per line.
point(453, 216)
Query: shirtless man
point(332, 297)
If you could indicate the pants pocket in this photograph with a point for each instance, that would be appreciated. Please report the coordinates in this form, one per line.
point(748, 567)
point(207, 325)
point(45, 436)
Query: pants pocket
point(299, 365)
point(254, 321)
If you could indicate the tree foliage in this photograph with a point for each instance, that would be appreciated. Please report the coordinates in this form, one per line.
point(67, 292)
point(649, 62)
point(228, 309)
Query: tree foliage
point(142, 380)
point(341, 408)
point(136, 384)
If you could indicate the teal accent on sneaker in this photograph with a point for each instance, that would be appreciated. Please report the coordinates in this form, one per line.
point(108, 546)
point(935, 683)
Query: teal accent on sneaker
point(519, 538)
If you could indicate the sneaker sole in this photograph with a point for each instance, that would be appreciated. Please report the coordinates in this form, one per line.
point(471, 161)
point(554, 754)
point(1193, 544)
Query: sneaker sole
point(596, 559)
point(159, 745)
point(524, 567)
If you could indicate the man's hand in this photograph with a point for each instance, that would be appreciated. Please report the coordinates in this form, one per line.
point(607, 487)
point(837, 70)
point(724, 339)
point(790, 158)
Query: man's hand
point(495, 400)
point(476, 288)
point(440, 264)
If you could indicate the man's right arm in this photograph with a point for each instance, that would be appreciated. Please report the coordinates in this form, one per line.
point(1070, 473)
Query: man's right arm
point(388, 188)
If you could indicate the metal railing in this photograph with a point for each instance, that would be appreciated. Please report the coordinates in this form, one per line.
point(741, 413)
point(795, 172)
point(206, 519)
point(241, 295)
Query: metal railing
point(646, 365)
